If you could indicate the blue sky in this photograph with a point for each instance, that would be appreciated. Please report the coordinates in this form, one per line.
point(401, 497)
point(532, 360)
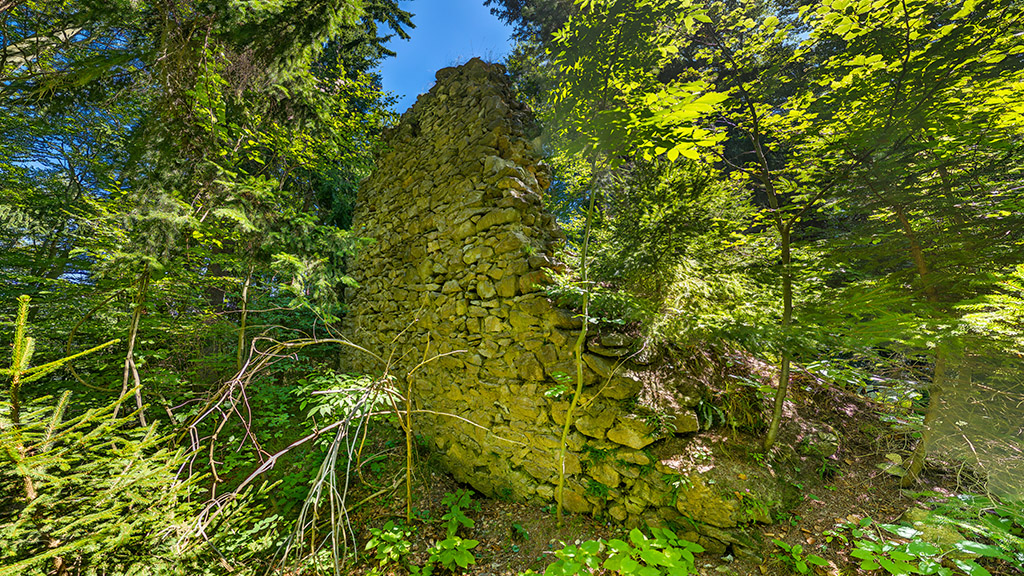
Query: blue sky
point(448, 32)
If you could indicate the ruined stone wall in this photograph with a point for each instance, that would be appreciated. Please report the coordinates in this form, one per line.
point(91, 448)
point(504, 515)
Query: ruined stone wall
point(463, 248)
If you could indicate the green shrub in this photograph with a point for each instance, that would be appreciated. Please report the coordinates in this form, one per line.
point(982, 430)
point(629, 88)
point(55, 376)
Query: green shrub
point(662, 554)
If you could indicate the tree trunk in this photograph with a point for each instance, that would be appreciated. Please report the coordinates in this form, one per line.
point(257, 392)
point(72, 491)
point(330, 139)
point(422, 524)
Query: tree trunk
point(242, 322)
point(935, 391)
point(130, 369)
point(787, 322)
point(577, 350)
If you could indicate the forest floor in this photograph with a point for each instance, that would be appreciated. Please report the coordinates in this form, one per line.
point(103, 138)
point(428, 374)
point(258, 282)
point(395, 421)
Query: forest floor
point(514, 537)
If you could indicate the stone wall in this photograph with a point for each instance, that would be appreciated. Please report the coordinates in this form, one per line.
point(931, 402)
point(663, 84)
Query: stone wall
point(463, 249)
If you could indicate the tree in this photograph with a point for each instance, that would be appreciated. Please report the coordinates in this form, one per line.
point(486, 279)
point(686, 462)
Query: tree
point(176, 173)
point(819, 98)
point(190, 139)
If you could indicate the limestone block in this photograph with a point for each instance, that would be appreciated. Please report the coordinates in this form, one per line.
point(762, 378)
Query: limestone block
point(628, 471)
point(485, 288)
point(496, 165)
point(607, 352)
point(540, 468)
point(604, 367)
point(533, 281)
point(530, 368)
point(522, 321)
point(558, 318)
point(532, 344)
point(492, 324)
point(574, 501)
point(712, 546)
point(560, 338)
point(632, 431)
point(572, 463)
point(511, 182)
point(545, 442)
point(476, 253)
point(567, 368)
point(499, 369)
point(534, 305)
point(496, 218)
point(618, 512)
point(633, 457)
point(547, 354)
point(521, 483)
point(487, 348)
point(635, 506)
point(596, 421)
point(738, 537)
point(546, 492)
point(699, 502)
point(523, 408)
point(605, 474)
point(424, 269)
point(507, 286)
point(621, 387)
point(464, 230)
point(685, 422)
point(510, 242)
point(469, 214)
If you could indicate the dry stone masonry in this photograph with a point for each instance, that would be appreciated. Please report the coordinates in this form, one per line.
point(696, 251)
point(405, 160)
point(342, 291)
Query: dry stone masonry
point(463, 250)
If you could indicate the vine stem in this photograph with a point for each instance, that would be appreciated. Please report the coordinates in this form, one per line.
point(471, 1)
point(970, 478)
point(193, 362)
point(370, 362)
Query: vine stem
point(578, 348)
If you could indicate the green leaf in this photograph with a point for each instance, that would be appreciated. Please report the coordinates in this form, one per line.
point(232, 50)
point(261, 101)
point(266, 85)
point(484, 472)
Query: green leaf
point(816, 560)
point(901, 556)
point(654, 557)
point(868, 545)
point(971, 567)
point(862, 554)
point(618, 545)
point(921, 548)
point(629, 566)
point(972, 547)
point(591, 547)
point(901, 531)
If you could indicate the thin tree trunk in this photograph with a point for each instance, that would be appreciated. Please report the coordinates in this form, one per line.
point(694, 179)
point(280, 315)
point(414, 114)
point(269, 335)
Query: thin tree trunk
point(130, 369)
point(578, 352)
point(935, 391)
point(786, 355)
point(917, 253)
point(20, 358)
point(245, 314)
